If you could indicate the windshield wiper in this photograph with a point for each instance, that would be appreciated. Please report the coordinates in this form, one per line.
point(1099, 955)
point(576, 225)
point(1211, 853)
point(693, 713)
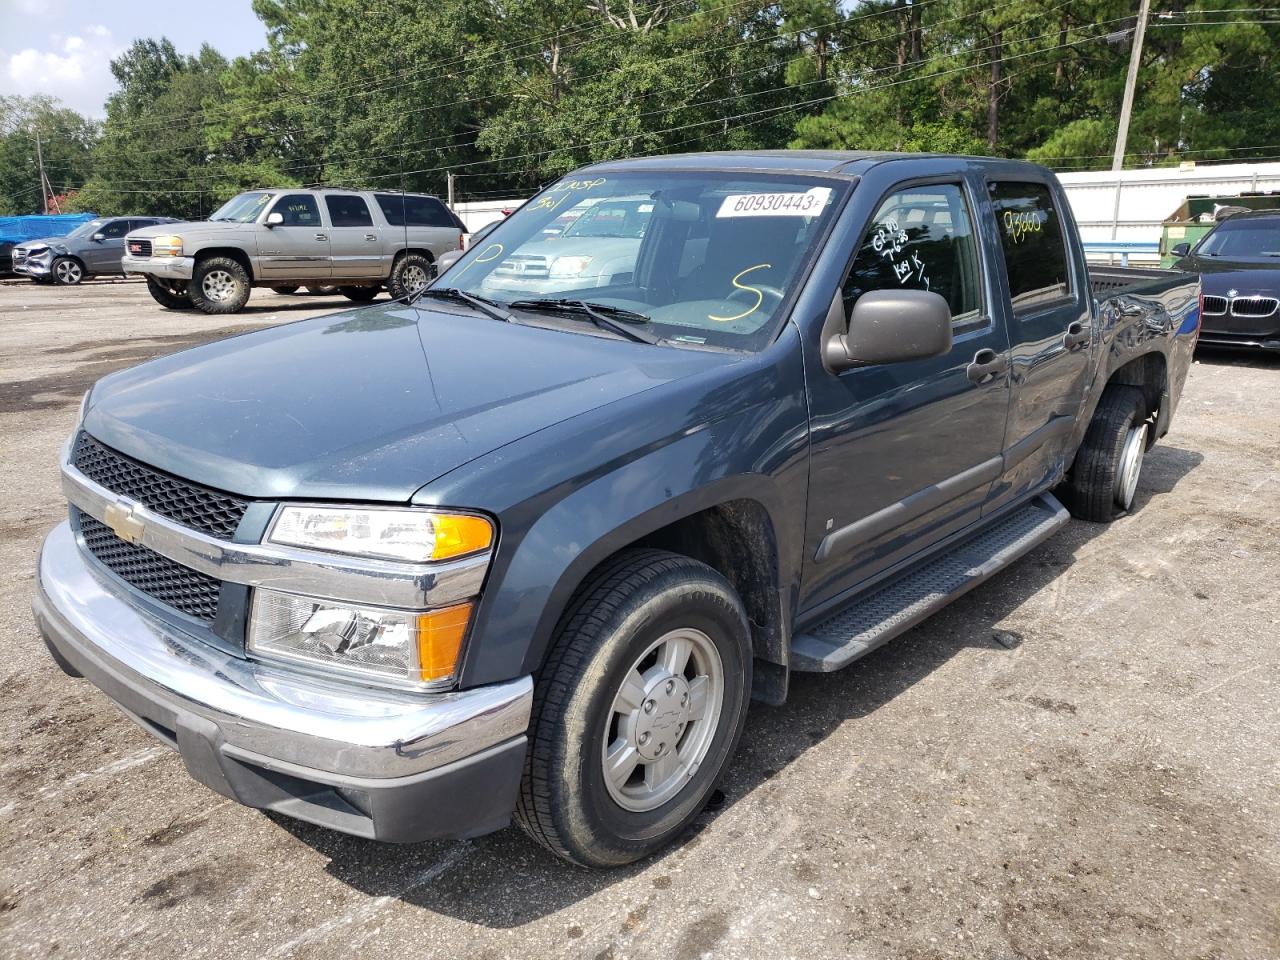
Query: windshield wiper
point(601, 314)
point(490, 308)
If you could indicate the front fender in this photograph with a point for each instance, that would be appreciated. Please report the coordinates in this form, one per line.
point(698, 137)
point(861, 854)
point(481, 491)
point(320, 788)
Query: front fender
point(606, 479)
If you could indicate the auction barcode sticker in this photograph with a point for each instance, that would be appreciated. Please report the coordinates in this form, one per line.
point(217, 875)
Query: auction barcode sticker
point(807, 204)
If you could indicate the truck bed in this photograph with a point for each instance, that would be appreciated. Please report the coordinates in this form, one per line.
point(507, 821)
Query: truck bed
point(1107, 280)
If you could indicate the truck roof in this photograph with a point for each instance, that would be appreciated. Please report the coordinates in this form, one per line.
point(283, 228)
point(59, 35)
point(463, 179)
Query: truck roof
point(834, 162)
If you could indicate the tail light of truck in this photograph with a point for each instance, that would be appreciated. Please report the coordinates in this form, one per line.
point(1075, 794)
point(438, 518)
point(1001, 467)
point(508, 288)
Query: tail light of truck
point(462, 241)
point(1200, 311)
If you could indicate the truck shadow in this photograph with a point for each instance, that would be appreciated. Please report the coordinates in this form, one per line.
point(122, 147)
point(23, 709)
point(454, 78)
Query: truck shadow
point(1237, 357)
point(505, 881)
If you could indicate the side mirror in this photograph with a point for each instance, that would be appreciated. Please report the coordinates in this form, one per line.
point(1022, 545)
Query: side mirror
point(888, 326)
point(275, 219)
point(1181, 249)
point(98, 237)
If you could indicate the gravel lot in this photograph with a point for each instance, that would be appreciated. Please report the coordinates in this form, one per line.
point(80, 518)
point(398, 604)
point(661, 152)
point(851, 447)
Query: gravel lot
point(1077, 760)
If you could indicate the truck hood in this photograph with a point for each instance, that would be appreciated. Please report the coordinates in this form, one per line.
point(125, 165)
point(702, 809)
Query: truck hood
point(371, 404)
point(196, 229)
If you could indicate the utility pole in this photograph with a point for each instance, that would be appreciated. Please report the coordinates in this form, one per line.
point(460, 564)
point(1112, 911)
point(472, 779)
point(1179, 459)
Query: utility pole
point(1126, 110)
point(1131, 81)
point(450, 190)
point(44, 182)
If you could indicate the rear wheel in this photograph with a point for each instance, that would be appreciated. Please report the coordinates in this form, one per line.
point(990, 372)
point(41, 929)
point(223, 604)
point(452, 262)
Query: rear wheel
point(1104, 478)
point(67, 271)
point(637, 711)
point(359, 294)
point(219, 285)
point(410, 275)
point(285, 291)
point(171, 294)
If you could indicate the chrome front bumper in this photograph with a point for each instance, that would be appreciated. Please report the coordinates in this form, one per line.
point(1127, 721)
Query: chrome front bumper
point(33, 268)
point(170, 268)
point(378, 763)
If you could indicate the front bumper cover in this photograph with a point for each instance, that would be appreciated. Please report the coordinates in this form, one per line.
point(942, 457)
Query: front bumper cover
point(381, 764)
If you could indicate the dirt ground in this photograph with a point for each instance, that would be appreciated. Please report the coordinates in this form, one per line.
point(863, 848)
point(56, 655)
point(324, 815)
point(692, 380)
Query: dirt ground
point(1077, 760)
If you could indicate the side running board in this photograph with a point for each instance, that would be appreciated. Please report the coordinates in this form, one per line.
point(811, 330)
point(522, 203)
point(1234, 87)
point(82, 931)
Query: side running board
point(898, 606)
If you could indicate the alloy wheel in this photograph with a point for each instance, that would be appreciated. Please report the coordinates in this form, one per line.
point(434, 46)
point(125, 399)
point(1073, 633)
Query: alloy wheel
point(663, 719)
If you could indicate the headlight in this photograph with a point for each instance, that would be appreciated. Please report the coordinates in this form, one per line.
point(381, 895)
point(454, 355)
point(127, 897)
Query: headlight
point(417, 536)
point(170, 246)
point(417, 648)
point(568, 266)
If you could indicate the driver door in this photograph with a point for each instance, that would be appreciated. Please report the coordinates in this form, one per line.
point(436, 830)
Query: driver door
point(103, 256)
point(298, 248)
point(903, 454)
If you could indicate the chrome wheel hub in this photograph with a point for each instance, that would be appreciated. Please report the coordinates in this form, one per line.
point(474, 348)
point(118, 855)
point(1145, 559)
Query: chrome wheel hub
point(414, 278)
point(68, 272)
point(218, 285)
point(1135, 447)
point(663, 719)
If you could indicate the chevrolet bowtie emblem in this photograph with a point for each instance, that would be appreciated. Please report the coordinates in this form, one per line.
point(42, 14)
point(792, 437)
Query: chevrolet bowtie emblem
point(120, 518)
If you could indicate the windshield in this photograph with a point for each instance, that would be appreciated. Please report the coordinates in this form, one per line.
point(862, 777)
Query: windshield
point(1243, 239)
point(86, 229)
point(707, 258)
point(243, 208)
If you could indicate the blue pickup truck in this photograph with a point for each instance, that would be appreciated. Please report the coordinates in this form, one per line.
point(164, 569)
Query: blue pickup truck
point(414, 569)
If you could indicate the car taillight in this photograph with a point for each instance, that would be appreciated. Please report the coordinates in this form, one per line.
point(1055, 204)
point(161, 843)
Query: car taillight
point(462, 241)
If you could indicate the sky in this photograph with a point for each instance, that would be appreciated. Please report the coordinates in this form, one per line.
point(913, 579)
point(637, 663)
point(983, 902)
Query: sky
point(63, 47)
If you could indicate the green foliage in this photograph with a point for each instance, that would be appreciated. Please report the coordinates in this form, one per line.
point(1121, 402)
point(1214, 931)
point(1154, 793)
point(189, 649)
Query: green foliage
point(507, 94)
point(66, 141)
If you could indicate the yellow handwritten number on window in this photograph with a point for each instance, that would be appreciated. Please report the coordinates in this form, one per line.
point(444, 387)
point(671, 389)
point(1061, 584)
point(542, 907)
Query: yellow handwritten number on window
point(485, 257)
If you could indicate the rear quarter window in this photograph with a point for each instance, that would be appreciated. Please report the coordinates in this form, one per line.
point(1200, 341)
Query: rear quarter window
point(1033, 244)
point(410, 211)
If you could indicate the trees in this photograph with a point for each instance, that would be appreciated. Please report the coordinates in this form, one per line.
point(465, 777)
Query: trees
point(509, 93)
point(66, 140)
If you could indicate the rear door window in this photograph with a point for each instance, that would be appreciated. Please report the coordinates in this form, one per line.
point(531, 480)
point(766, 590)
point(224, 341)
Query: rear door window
point(1031, 238)
point(922, 238)
point(348, 211)
point(298, 209)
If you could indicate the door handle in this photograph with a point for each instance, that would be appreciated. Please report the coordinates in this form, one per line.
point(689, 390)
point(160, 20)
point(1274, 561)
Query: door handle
point(322, 236)
point(986, 364)
point(1076, 335)
point(371, 236)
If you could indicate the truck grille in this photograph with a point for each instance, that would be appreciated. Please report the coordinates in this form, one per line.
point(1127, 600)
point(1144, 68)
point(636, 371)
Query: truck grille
point(187, 591)
point(1254, 306)
point(200, 508)
point(140, 248)
point(1215, 306)
point(522, 265)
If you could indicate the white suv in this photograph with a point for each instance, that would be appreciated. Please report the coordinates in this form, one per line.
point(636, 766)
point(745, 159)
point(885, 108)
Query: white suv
point(356, 240)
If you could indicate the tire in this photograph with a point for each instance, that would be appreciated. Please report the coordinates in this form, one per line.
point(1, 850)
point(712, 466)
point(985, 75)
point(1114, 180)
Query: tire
point(170, 294)
point(219, 285)
point(1102, 481)
point(285, 291)
point(360, 294)
point(641, 605)
point(410, 274)
point(67, 271)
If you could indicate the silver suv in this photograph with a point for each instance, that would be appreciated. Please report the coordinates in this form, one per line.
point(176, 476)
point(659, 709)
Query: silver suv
point(356, 240)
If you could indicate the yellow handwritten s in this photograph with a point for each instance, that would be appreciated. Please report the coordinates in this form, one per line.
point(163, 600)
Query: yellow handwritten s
point(742, 286)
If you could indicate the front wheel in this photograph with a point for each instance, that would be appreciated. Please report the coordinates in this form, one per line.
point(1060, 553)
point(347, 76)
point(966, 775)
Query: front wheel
point(637, 711)
point(170, 294)
point(67, 271)
point(410, 275)
point(219, 285)
point(1104, 478)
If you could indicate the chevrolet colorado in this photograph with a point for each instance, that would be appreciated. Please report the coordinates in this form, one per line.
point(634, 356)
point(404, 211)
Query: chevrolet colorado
point(415, 568)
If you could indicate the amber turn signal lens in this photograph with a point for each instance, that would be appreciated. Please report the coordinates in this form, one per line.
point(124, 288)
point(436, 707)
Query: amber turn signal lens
point(440, 635)
point(457, 534)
